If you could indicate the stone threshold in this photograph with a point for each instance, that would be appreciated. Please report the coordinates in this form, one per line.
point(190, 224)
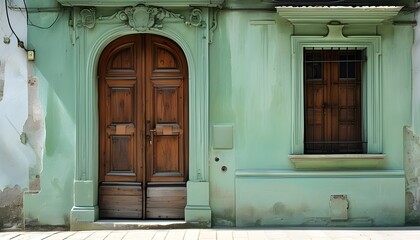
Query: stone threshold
point(135, 224)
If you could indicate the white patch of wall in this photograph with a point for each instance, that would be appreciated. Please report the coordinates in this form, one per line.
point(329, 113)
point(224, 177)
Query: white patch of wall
point(2, 66)
point(16, 158)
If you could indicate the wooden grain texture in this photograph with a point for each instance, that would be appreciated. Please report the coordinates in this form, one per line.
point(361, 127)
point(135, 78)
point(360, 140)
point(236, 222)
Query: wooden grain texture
point(142, 85)
point(120, 201)
point(166, 202)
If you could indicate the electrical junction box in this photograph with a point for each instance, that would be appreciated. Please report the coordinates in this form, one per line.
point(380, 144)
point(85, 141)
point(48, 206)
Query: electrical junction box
point(31, 55)
point(222, 136)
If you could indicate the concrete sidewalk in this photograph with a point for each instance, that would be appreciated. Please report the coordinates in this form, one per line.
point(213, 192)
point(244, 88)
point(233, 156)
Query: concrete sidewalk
point(403, 233)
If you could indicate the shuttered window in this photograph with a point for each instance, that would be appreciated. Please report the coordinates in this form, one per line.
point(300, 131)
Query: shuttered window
point(333, 101)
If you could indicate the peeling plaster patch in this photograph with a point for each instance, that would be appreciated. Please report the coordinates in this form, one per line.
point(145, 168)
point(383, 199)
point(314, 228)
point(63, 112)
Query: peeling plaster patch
point(412, 174)
point(2, 64)
point(34, 184)
point(35, 131)
point(11, 208)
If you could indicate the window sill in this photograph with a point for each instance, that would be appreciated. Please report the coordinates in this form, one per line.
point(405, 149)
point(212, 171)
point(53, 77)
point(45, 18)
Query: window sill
point(337, 161)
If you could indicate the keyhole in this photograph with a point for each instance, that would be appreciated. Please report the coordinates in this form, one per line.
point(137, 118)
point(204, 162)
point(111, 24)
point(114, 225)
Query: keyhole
point(224, 169)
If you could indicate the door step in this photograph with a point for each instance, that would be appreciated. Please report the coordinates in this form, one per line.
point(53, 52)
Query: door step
point(135, 224)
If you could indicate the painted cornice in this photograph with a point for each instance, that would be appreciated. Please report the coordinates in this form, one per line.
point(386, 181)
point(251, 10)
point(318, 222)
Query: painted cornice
point(158, 3)
point(347, 15)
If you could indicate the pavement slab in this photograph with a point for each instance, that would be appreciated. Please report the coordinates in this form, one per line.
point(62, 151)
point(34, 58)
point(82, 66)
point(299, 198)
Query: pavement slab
point(403, 233)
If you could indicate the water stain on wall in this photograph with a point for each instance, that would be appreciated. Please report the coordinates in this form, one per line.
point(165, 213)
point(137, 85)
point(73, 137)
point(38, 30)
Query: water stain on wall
point(278, 212)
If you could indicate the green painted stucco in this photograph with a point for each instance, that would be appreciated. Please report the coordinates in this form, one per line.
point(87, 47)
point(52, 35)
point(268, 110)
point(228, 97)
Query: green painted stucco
point(53, 68)
point(251, 88)
point(244, 79)
point(66, 63)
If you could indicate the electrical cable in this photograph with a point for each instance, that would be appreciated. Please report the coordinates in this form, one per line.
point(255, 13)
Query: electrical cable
point(20, 43)
point(26, 12)
point(30, 23)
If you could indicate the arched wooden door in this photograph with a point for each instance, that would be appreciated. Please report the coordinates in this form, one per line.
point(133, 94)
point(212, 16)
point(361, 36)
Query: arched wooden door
point(143, 128)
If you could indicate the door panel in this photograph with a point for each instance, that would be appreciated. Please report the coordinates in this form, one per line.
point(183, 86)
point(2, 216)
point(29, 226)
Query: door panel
point(121, 108)
point(121, 154)
point(121, 201)
point(166, 150)
point(166, 104)
point(123, 59)
point(165, 59)
point(166, 202)
point(143, 106)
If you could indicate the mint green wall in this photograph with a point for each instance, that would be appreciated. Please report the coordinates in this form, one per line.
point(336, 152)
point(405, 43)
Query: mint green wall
point(54, 67)
point(298, 199)
point(249, 62)
point(251, 89)
point(396, 52)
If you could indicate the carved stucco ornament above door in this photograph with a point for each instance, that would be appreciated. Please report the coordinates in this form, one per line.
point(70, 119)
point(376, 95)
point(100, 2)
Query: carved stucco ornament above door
point(88, 19)
point(141, 18)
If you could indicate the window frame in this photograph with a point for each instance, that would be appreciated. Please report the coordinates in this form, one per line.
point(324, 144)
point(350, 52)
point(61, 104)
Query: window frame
point(372, 97)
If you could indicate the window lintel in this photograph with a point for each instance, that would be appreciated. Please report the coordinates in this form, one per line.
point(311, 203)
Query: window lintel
point(373, 15)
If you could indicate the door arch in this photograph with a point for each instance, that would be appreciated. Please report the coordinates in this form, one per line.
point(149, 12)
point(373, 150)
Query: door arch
point(143, 128)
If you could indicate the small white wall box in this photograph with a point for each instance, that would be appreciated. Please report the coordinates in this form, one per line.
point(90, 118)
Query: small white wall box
point(31, 55)
point(339, 207)
point(222, 136)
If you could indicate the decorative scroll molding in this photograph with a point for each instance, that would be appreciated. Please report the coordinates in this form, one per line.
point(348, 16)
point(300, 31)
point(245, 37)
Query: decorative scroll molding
point(88, 18)
point(196, 19)
point(141, 18)
point(213, 25)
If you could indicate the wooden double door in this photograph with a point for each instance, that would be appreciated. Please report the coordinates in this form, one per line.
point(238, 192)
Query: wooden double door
point(143, 129)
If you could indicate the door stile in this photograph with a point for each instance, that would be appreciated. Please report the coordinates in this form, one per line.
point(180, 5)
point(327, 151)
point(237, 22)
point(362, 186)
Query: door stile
point(141, 116)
